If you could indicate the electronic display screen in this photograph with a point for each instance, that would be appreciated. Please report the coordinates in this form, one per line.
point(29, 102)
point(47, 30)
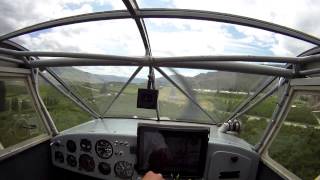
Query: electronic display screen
point(172, 150)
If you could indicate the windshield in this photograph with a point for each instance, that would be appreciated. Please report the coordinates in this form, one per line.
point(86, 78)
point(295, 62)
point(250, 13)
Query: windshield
point(196, 95)
point(168, 37)
point(184, 94)
point(297, 14)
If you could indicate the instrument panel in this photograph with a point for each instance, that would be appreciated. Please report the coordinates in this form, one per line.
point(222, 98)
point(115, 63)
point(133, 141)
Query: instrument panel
point(99, 155)
point(113, 149)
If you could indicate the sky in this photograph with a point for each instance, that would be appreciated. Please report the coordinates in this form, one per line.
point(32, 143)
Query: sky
point(168, 37)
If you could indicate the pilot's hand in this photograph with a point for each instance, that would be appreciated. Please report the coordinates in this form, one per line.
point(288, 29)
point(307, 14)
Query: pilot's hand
point(152, 176)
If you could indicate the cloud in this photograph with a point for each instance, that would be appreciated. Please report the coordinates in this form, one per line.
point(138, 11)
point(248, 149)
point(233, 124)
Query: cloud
point(120, 37)
point(21, 13)
point(297, 14)
point(291, 13)
point(175, 37)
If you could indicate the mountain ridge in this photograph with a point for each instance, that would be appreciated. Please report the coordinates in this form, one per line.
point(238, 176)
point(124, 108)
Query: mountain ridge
point(216, 80)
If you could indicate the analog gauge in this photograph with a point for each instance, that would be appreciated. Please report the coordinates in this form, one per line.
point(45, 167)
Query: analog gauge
point(104, 168)
point(123, 169)
point(71, 146)
point(104, 149)
point(86, 162)
point(71, 160)
point(58, 156)
point(85, 145)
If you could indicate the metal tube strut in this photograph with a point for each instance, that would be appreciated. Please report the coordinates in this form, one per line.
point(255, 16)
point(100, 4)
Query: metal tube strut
point(56, 77)
point(276, 116)
point(309, 72)
point(11, 60)
point(133, 8)
point(52, 127)
point(186, 94)
point(252, 97)
point(269, 93)
point(65, 94)
point(122, 89)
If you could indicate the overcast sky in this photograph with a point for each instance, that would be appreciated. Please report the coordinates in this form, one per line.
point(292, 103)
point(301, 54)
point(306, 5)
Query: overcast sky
point(168, 37)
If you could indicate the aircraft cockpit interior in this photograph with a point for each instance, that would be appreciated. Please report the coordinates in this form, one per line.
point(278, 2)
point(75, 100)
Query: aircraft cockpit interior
point(153, 90)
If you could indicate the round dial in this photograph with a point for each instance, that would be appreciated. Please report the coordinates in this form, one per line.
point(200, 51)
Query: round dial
point(71, 146)
point(104, 149)
point(71, 160)
point(86, 162)
point(85, 145)
point(104, 168)
point(123, 169)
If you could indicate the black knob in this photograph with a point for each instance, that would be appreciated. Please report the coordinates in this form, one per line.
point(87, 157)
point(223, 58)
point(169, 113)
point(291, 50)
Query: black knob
point(104, 168)
point(71, 160)
point(71, 146)
point(234, 158)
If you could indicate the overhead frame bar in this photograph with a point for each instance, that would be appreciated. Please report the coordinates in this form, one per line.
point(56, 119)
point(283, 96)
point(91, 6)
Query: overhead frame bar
point(67, 54)
point(215, 65)
point(200, 62)
point(11, 60)
point(246, 58)
point(98, 16)
point(133, 8)
point(166, 13)
point(309, 52)
point(228, 18)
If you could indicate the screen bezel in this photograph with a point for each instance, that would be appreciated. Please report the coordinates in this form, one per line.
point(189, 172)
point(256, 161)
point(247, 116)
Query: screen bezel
point(202, 132)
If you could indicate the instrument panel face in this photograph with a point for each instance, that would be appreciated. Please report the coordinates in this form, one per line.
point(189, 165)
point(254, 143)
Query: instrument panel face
point(106, 154)
point(99, 155)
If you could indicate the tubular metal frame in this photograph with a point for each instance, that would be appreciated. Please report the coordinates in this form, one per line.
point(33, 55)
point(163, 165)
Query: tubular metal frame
point(252, 97)
point(165, 13)
point(65, 86)
point(133, 8)
point(65, 93)
point(276, 116)
point(226, 66)
point(35, 88)
point(226, 63)
point(186, 94)
point(262, 98)
point(122, 89)
point(201, 62)
point(234, 58)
